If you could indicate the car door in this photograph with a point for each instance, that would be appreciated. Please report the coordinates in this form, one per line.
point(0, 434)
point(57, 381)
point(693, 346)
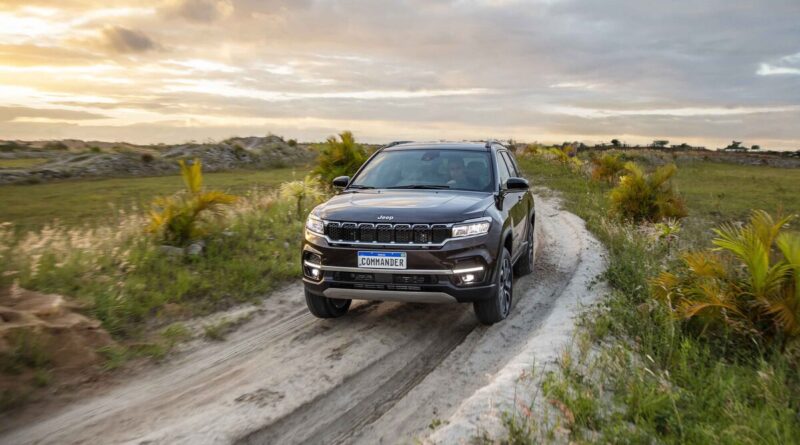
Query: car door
point(519, 210)
point(513, 199)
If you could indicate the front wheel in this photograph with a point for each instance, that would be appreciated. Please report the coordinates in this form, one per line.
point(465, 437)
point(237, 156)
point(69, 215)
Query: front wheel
point(324, 307)
point(496, 308)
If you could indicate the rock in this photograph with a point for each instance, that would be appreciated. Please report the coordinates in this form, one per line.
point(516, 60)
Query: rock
point(66, 339)
point(171, 250)
point(196, 248)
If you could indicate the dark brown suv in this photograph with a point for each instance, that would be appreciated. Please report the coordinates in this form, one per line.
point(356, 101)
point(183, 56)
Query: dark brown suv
point(422, 222)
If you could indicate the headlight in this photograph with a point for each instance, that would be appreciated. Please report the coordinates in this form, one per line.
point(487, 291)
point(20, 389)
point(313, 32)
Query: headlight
point(469, 229)
point(315, 225)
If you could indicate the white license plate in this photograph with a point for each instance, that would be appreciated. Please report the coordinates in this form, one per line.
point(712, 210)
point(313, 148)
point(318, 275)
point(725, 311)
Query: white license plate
point(382, 260)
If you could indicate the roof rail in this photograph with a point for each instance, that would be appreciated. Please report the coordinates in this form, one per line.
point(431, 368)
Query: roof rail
point(490, 142)
point(392, 144)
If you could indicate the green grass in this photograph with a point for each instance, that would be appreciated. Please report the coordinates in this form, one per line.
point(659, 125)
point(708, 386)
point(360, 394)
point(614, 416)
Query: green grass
point(22, 162)
point(93, 201)
point(647, 379)
point(720, 190)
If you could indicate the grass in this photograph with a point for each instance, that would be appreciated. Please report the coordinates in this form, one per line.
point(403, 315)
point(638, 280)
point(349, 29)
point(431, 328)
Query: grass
point(645, 379)
point(22, 162)
point(77, 202)
point(723, 191)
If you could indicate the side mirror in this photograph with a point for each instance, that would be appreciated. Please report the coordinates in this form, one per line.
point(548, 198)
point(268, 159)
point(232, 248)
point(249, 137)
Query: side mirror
point(517, 184)
point(341, 181)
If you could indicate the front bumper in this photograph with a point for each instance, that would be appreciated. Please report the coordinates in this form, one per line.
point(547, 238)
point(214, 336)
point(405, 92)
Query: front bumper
point(434, 274)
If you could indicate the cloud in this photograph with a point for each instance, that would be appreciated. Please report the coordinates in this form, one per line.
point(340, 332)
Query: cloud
point(200, 11)
point(16, 113)
point(565, 69)
point(124, 40)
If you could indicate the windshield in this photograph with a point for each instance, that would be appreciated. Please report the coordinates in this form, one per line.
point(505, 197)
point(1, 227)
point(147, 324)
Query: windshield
point(435, 169)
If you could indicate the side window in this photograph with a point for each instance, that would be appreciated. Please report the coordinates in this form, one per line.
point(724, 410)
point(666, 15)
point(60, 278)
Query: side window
point(502, 169)
point(512, 164)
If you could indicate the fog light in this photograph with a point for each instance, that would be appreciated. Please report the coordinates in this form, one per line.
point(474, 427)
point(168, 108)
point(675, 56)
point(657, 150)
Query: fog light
point(468, 278)
point(315, 272)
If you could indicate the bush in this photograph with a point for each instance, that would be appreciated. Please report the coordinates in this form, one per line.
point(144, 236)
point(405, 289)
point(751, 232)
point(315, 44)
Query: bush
point(607, 168)
point(188, 215)
point(749, 285)
point(646, 197)
point(292, 142)
point(339, 158)
point(147, 158)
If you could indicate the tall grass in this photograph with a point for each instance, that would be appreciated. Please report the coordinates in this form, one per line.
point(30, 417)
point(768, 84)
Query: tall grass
point(127, 282)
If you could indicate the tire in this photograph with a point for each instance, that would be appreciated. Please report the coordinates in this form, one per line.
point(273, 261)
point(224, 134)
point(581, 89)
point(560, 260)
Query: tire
point(496, 308)
point(524, 264)
point(324, 307)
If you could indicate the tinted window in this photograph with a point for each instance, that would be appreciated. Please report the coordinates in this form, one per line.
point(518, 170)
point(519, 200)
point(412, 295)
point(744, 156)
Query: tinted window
point(512, 164)
point(454, 169)
point(502, 170)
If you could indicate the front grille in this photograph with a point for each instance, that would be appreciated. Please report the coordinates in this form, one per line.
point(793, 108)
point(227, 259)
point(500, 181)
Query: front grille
point(422, 233)
point(402, 233)
point(367, 233)
point(387, 233)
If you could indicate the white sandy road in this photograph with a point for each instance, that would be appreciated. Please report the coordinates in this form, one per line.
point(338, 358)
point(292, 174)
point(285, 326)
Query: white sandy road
point(381, 374)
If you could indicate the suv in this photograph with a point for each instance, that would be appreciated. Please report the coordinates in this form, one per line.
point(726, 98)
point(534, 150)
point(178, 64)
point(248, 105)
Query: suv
point(422, 222)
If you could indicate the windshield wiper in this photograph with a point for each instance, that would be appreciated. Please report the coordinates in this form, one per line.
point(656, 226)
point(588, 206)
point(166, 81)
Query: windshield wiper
point(420, 186)
point(360, 187)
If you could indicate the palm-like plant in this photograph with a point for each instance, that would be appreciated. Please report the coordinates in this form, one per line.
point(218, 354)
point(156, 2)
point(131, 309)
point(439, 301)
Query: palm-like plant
point(188, 215)
point(750, 283)
point(646, 197)
point(607, 168)
point(339, 158)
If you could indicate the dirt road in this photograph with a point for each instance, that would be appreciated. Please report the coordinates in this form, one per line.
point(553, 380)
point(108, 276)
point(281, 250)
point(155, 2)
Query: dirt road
point(382, 374)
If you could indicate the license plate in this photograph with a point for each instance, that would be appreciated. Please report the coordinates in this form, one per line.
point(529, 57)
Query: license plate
point(382, 260)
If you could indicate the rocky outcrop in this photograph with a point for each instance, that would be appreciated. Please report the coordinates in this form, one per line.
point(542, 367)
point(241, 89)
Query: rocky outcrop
point(129, 160)
point(42, 333)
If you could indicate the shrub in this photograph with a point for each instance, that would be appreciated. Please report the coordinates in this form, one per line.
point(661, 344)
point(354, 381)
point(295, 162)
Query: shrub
point(607, 168)
point(188, 215)
point(338, 158)
point(299, 192)
point(646, 197)
point(750, 284)
point(147, 158)
point(292, 142)
point(566, 156)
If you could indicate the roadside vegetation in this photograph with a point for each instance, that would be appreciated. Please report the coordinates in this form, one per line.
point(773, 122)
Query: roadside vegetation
point(698, 339)
point(224, 239)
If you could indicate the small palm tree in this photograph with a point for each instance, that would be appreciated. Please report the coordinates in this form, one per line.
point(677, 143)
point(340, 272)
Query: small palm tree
point(646, 197)
point(188, 215)
point(339, 158)
point(750, 283)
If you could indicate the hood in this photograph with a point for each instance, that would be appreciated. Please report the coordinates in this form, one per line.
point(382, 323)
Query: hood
point(405, 206)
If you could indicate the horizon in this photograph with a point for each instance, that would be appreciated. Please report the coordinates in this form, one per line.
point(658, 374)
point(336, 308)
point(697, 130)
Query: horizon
point(171, 71)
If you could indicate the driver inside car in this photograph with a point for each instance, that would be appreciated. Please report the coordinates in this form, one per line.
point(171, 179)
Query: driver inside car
point(458, 176)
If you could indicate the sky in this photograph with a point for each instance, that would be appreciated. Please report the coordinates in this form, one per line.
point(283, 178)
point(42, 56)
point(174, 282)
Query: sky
point(702, 72)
